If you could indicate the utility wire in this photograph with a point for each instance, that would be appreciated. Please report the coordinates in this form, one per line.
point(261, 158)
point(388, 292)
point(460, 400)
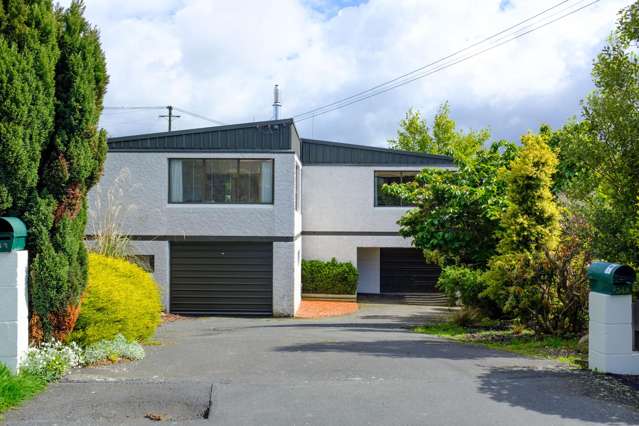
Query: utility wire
point(193, 114)
point(401, 80)
point(201, 117)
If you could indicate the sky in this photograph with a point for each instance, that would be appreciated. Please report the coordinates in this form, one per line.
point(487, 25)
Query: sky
point(221, 58)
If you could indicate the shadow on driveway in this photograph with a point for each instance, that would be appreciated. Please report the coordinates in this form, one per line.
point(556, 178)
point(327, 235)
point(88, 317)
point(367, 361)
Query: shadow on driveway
point(562, 393)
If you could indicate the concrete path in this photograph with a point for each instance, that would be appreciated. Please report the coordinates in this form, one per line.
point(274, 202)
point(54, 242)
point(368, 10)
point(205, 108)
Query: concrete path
point(367, 368)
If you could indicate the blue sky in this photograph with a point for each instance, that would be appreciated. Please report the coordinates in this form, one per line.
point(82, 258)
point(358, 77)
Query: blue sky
point(221, 59)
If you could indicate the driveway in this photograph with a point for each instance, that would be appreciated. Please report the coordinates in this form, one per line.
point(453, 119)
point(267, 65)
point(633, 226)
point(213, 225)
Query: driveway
point(366, 368)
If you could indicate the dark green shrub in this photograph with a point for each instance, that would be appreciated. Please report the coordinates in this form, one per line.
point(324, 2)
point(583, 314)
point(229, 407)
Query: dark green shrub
point(465, 285)
point(52, 82)
point(329, 277)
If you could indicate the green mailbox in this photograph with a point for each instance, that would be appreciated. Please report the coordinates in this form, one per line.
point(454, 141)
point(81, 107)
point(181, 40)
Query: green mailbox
point(611, 278)
point(13, 234)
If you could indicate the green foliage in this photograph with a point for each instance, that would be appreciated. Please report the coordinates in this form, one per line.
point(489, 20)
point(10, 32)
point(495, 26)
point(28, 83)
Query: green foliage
point(456, 215)
point(531, 220)
point(466, 285)
point(52, 82)
point(415, 135)
point(121, 298)
point(113, 350)
point(15, 388)
point(611, 151)
point(513, 339)
point(539, 277)
point(51, 360)
point(331, 277)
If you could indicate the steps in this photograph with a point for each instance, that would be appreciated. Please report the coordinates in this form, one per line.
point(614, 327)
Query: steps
point(419, 299)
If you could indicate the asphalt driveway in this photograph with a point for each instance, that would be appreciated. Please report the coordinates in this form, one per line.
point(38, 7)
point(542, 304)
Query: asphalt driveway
point(367, 368)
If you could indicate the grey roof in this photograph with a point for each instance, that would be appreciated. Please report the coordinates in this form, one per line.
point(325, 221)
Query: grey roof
point(274, 135)
point(316, 152)
point(271, 136)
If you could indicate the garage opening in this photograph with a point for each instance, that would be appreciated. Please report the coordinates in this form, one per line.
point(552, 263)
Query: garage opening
point(404, 270)
point(222, 278)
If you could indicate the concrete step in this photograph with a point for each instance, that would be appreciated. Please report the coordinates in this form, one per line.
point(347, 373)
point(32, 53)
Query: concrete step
point(420, 299)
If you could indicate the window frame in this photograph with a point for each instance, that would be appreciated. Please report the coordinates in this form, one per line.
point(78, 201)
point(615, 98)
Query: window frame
point(211, 203)
point(401, 174)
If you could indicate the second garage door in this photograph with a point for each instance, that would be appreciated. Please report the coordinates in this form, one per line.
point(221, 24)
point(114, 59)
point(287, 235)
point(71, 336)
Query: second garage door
point(404, 270)
point(217, 278)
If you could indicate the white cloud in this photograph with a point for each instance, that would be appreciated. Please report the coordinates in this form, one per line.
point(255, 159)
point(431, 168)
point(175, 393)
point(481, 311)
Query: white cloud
point(221, 59)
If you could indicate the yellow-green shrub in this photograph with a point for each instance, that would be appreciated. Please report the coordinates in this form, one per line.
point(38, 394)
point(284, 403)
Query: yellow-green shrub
point(120, 298)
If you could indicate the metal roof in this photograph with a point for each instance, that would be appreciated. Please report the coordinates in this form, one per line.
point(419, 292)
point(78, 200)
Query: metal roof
point(274, 135)
point(316, 152)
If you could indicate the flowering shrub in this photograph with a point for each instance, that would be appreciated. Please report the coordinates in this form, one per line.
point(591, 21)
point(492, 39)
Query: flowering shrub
point(113, 350)
point(51, 360)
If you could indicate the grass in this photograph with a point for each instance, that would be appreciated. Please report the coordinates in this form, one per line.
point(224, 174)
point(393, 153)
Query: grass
point(16, 388)
point(513, 339)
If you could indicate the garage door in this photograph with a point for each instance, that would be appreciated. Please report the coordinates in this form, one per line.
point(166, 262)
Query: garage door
point(234, 278)
point(403, 270)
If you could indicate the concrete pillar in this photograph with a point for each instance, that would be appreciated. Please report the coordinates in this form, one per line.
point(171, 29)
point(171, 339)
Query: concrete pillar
point(14, 315)
point(610, 334)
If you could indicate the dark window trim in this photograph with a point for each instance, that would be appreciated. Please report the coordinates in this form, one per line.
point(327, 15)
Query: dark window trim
point(401, 175)
point(168, 168)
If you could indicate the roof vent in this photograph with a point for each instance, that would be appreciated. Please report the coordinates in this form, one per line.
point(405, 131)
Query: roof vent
point(276, 102)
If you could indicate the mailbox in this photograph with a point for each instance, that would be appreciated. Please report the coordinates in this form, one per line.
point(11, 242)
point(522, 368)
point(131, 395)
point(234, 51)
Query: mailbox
point(611, 278)
point(13, 234)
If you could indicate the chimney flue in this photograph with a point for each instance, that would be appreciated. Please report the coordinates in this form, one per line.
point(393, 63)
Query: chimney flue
point(276, 102)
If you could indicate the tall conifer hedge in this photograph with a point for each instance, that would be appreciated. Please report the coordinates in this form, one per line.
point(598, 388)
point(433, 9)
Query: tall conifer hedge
point(52, 83)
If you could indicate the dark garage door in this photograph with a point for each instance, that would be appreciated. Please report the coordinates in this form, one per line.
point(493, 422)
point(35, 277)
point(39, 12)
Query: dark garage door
point(222, 278)
point(403, 270)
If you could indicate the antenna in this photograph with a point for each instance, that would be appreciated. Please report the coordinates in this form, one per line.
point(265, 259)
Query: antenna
point(276, 102)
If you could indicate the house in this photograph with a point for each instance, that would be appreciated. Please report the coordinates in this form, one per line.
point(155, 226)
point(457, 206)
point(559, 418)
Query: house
point(225, 214)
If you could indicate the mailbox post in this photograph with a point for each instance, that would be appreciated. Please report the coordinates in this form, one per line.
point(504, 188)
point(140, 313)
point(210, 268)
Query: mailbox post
point(610, 340)
point(14, 315)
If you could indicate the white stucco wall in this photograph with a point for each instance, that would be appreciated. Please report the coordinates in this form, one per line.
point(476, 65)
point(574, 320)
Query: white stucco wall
point(139, 182)
point(14, 314)
point(368, 267)
point(287, 288)
point(341, 198)
point(162, 274)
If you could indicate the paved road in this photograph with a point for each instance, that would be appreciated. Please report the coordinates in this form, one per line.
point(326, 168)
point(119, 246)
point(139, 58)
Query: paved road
point(367, 368)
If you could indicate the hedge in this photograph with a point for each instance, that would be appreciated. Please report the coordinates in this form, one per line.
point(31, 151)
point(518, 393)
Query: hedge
point(329, 277)
point(121, 298)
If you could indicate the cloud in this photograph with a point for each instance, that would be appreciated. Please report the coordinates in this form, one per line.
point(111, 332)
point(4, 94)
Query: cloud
point(221, 59)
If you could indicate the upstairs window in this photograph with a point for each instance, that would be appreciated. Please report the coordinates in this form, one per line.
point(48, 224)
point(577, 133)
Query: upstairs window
point(221, 181)
point(382, 199)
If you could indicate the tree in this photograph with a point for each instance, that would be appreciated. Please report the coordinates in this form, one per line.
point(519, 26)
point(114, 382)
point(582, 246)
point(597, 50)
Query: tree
point(518, 277)
point(456, 215)
point(415, 135)
point(611, 150)
point(46, 178)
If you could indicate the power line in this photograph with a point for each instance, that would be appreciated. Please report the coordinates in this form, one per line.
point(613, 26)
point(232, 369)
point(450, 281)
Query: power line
point(201, 117)
point(401, 80)
point(133, 107)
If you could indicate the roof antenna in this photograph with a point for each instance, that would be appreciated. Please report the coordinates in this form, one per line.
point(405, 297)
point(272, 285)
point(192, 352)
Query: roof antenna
point(276, 102)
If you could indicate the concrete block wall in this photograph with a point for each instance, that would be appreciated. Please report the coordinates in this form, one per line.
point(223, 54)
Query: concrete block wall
point(610, 335)
point(14, 314)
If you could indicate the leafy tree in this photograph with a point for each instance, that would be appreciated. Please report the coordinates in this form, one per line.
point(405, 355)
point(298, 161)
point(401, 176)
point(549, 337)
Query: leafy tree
point(530, 229)
point(56, 154)
point(611, 150)
point(444, 138)
point(456, 215)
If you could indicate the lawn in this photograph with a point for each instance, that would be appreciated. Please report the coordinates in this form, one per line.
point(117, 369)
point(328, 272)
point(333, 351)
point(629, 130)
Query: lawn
point(513, 339)
point(16, 388)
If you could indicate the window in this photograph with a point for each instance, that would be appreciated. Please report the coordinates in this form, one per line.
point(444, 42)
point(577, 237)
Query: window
point(382, 199)
point(145, 261)
point(221, 181)
point(298, 187)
